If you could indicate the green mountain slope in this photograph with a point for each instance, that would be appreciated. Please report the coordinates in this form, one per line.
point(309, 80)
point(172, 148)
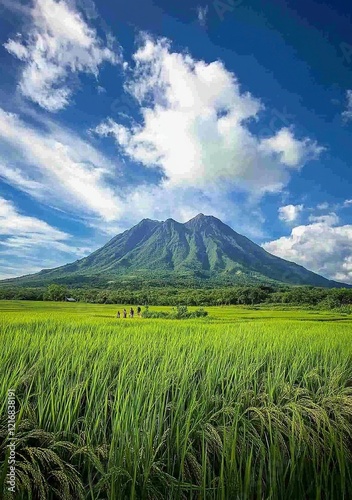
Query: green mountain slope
point(204, 249)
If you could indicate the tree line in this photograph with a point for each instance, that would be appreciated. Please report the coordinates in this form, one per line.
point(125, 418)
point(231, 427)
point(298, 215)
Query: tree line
point(171, 296)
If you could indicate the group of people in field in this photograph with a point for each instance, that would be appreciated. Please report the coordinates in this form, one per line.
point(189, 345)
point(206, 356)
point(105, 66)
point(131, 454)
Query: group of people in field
point(131, 315)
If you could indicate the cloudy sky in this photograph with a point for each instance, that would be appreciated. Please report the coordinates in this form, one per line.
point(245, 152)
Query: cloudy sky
point(115, 112)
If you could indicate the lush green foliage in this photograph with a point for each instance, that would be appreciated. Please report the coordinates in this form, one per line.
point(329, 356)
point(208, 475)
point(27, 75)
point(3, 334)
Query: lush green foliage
point(179, 312)
point(56, 293)
point(242, 405)
point(324, 298)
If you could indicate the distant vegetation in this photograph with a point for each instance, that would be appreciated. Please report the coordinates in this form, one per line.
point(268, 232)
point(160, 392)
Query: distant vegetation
point(179, 312)
point(326, 298)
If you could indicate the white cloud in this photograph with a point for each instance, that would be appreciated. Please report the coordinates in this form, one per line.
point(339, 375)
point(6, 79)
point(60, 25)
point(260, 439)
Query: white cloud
point(329, 219)
point(17, 177)
point(347, 114)
point(15, 224)
point(8, 271)
point(290, 213)
point(323, 206)
point(181, 204)
point(101, 90)
point(58, 45)
point(22, 231)
point(323, 247)
point(59, 167)
point(24, 241)
point(195, 126)
point(334, 207)
point(27, 266)
point(61, 170)
point(202, 13)
point(290, 151)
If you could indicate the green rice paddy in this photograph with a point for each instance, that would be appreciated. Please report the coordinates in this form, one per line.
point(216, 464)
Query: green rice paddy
point(244, 404)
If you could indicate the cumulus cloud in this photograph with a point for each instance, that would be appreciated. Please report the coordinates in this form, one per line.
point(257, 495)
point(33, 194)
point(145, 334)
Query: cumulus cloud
point(58, 45)
point(347, 114)
point(323, 246)
point(290, 151)
point(195, 126)
point(290, 213)
point(58, 168)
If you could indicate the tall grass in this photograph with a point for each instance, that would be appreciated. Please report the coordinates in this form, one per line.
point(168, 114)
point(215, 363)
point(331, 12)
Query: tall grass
point(151, 409)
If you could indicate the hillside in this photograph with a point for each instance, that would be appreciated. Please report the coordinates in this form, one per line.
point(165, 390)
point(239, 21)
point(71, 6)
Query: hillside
point(202, 250)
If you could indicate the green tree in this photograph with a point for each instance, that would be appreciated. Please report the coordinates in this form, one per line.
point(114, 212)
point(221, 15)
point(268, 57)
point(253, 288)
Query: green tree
point(56, 293)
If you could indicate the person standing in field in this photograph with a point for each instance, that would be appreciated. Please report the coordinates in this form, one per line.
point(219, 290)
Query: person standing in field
point(124, 313)
point(139, 311)
point(131, 313)
point(118, 314)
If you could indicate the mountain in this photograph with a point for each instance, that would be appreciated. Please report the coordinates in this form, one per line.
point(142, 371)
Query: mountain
point(203, 250)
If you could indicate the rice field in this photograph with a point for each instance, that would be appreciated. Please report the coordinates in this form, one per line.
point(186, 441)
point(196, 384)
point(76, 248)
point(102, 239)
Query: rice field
point(242, 405)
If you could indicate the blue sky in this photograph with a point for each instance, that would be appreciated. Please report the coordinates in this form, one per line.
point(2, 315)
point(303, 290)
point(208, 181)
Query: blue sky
point(115, 112)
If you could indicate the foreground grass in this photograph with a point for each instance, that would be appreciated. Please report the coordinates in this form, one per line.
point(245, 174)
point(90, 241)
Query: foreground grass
point(241, 405)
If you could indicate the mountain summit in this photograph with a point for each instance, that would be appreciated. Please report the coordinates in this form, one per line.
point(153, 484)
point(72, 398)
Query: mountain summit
point(204, 249)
